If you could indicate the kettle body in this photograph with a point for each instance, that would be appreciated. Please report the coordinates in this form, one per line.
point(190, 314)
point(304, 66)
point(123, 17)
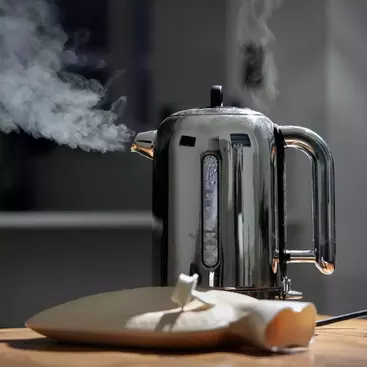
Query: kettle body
point(219, 196)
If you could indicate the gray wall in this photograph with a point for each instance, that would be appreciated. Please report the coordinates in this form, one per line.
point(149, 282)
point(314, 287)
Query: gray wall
point(188, 53)
point(346, 132)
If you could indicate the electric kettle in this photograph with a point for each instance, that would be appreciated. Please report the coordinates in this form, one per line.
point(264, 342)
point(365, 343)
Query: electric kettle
point(219, 196)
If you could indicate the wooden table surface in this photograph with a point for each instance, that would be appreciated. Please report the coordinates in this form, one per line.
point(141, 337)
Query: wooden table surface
point(340, 345)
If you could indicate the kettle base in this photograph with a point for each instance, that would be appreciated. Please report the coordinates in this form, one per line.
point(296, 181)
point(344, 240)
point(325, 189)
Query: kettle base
point(274, 293)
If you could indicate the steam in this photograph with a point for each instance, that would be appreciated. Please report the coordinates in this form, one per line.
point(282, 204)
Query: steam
point(253, 27)
point(38, 96)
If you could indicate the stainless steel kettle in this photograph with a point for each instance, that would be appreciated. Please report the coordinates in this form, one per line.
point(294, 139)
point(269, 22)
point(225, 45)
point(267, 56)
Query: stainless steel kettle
point(219, 194)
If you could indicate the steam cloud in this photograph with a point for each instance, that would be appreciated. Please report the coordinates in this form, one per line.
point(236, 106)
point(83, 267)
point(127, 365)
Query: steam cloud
point(38, 96)
point(253, 27)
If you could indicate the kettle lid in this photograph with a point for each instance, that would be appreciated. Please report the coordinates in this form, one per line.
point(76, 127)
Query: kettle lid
point(216, 106)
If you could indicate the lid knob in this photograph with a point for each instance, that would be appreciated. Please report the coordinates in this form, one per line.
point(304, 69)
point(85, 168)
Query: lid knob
point(216, 96)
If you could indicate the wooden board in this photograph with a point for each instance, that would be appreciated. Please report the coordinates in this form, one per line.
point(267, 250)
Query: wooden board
point(339, 345)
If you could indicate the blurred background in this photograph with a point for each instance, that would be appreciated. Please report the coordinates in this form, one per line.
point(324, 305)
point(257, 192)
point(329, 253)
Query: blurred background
point(74, 223)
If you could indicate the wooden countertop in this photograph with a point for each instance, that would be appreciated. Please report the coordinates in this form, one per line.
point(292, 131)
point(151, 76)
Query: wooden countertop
point(339, 345)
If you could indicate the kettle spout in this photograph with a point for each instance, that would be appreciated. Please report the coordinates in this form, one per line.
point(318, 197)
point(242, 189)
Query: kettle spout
point(144, 143)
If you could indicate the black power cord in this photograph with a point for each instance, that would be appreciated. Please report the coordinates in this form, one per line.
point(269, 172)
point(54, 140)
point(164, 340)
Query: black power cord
point(347, 316)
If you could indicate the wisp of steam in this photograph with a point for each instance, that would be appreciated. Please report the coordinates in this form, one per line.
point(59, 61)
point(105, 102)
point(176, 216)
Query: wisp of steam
point(38, 96)
point(253, 27)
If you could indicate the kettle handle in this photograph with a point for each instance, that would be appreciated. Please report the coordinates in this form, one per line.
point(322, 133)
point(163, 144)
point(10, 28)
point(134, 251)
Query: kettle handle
point(323, 198)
